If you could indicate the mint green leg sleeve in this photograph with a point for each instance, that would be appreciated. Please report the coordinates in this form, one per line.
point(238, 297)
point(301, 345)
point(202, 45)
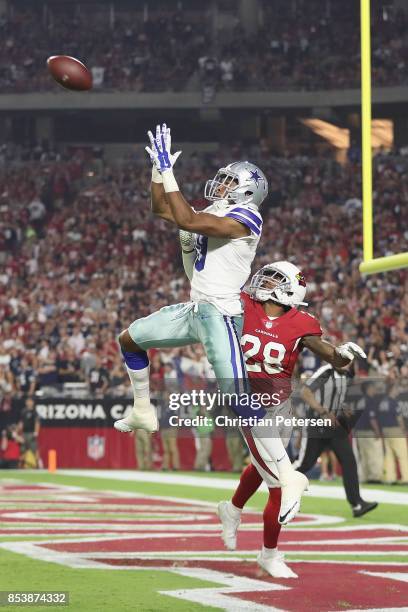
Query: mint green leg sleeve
point(168, 327)
point(220, 336)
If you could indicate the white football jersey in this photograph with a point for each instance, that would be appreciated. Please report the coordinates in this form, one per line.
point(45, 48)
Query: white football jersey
point(223, 265)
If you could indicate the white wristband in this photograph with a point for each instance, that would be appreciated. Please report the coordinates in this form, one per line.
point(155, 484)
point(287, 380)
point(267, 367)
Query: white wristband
point(156, 176)
point(169, 181)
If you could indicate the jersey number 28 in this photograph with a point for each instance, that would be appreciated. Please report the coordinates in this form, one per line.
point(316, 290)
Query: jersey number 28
point(272, 363)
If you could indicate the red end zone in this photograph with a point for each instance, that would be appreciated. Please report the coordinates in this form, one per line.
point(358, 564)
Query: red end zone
point(133, 532)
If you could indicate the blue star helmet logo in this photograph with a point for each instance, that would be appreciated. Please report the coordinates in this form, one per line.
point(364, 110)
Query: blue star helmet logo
point(256, 176)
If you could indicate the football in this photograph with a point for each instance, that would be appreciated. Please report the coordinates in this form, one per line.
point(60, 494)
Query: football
point(69, 72)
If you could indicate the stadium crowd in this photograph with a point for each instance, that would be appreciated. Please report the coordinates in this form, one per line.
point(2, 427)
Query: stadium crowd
point(122, 56)
point(81, 256)
point(303, 48)
point(294, 48)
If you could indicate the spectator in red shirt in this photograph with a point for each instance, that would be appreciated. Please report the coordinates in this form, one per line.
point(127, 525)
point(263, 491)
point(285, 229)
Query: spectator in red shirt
point(10, 447)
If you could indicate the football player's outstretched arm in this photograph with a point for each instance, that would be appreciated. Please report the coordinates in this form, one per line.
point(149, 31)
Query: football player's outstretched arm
point(337, 356)
point(205, 224)
point(159, 204)
point(182, 213)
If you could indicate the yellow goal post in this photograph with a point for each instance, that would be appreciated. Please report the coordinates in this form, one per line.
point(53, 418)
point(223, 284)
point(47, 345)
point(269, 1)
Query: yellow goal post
point(370, 265)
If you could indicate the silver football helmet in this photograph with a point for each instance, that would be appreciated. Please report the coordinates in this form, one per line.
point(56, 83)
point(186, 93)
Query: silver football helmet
point(282, 282)
point(243, 183)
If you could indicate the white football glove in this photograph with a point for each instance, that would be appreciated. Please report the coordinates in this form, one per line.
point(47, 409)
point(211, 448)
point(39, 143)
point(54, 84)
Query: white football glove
point(350, 350)
point(187, 241)
point(160, 149)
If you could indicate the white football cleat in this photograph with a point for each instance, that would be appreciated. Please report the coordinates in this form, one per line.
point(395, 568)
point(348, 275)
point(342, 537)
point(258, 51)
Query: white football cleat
point(230, 522)
point(275, 565)
point(292, 490)
point(144, 417)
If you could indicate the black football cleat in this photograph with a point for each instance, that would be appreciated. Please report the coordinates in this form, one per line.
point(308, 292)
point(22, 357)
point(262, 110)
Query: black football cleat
point(363, 507)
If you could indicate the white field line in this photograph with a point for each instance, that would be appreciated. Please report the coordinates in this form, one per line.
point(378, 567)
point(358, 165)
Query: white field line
point(333, 542)
point(114, 528)
point(196, 527)
point(316, 519)
point(89, 559)
point(95, 496)
point(84, 562)
point(228, 484)
point(162, 529)
point(117, 510)
point(141, 533)
point(97, 506)
point(402, 576)
point(403, 609)
point(179, 528)
point(40, 553)
point(67, 523)
point(351, 542)
point(79, 538)
point(96, 521)
point(311, 520)
point(223, 555)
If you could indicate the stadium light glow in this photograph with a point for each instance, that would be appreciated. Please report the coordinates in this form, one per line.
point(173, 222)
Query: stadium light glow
point(338, 137)
point(382, 133)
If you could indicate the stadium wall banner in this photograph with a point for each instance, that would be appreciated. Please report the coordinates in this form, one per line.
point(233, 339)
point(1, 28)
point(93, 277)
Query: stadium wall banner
point(68, 412)
point(82, 433)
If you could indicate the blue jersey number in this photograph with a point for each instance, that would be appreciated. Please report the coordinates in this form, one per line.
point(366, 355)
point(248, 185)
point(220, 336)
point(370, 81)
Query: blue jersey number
point(201, 248)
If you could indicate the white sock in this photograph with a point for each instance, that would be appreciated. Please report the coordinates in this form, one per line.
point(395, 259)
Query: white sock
point(269, 552)
point(233, 510)
point(141, 386)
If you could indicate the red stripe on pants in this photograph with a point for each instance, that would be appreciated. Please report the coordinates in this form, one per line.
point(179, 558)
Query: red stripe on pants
point(254, 451)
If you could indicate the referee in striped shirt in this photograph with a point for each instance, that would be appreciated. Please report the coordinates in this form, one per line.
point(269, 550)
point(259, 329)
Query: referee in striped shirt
point(325, 393)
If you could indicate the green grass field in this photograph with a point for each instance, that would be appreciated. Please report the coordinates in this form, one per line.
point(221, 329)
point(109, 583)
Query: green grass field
point(118, 544)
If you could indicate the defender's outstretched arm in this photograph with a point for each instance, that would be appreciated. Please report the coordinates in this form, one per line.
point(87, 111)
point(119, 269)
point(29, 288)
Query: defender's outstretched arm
point(337, 356)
